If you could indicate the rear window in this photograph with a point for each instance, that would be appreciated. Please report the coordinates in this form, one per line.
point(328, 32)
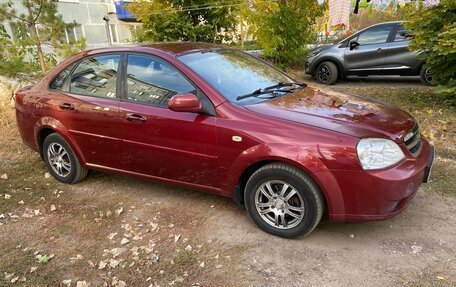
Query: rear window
point(59, 80)
point(96, 76)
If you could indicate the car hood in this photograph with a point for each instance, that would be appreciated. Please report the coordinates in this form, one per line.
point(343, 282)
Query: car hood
point(348, 114)
point(321, 48)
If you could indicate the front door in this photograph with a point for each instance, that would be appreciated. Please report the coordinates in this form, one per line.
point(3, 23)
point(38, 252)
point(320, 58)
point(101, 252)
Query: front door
point(90, 109)
point(177, 146)
point(370, 53)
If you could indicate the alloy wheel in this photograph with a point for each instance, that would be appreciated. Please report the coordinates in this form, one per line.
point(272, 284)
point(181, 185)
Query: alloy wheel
point(324, 74)
point(279, 204)
point(428, 75)
point(59, 159)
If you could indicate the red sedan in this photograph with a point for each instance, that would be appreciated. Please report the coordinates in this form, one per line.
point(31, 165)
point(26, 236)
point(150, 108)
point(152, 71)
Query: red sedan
point(213, 118)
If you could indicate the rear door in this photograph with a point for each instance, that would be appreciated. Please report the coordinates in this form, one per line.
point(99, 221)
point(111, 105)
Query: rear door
point(87, 105)
point(177, 146)
point(370, 54)
point(399, 58)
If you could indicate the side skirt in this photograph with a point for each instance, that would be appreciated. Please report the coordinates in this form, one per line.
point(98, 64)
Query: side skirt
point(204, 188)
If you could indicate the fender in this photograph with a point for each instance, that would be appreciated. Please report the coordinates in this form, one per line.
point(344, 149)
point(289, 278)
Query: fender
point(303, 159)
point(419, 66)
point(57, 126)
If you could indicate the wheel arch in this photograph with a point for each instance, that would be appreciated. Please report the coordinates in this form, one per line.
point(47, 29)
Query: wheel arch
point(42, 135)
point(419, 67)
point(46, 126)
point(321, 176)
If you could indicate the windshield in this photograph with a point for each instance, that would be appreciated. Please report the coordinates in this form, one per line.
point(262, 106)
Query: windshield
point(234, 73)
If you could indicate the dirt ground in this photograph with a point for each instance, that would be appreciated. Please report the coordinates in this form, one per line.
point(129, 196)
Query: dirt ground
point(111, 230)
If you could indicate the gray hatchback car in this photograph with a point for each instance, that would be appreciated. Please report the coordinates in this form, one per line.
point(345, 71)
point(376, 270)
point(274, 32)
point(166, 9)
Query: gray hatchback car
point(381, 49)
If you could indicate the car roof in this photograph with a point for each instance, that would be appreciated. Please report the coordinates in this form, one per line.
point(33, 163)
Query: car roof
point(178, 48)
point(386, 23)
point(173, 48)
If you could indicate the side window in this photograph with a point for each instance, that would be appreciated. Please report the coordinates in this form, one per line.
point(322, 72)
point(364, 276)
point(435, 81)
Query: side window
point(401, 34)
point(57, 83)
point(375, 35)
point(153, 81)
point(96, 76)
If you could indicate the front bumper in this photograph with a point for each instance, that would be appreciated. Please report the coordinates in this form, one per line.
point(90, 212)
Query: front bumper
point(309, 65)
point(376, 195)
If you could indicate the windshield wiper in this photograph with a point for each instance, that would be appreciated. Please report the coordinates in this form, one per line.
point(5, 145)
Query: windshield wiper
point(274, 88)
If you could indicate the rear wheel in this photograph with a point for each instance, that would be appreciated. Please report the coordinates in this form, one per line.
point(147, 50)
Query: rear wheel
point(327, 73)
point(61, 160)
point(426, 75)
point(283, 200)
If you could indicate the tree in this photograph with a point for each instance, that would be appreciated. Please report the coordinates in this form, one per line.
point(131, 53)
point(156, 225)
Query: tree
point(185, 20)
point(12, 58)
point(434, 30)
point(282, 28)
point(39, 25)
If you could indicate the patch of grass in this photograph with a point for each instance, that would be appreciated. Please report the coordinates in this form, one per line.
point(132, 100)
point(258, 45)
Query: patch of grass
point(442, 274)
point(14, 260)
point(26, 183)
point(185, 260)
point(443, 179)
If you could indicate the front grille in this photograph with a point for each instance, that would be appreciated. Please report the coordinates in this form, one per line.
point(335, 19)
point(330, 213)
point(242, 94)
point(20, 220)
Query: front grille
point(412, 141)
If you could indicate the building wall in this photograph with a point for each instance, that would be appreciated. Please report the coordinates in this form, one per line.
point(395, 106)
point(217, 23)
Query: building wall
point(89, 15)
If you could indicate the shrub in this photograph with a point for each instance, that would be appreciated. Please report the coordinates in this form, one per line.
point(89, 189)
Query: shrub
point(434, 31)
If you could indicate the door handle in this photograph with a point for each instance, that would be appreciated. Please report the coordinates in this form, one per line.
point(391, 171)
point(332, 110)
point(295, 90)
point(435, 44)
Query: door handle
point(136, 118)
point(66, 106)
point(379, 50)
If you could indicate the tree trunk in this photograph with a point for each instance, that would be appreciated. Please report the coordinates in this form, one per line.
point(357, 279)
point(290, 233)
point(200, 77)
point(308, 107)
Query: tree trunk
point(40, 51)
point(37, 41)
point(242, 32)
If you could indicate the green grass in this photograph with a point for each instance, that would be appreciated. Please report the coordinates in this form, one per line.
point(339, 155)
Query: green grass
point(15, 260)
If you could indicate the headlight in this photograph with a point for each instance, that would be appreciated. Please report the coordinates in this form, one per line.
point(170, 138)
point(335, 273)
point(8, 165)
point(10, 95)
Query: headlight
point(378, 153)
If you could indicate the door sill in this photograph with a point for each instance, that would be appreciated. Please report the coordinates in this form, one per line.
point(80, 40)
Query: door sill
point(205, 188)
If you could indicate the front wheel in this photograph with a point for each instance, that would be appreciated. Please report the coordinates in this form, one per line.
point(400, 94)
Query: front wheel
point(327, 73)
point(283, 200)
point(61, 160)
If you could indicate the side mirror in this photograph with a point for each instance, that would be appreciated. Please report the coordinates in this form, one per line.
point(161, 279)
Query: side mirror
point(353, 44)
point(407, 35)
point(185, 103)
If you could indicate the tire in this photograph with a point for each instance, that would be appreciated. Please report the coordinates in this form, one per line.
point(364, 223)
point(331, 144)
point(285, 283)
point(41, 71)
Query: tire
point(61, 160)
point(306, 203)
point(426, 75)
point(327, 73)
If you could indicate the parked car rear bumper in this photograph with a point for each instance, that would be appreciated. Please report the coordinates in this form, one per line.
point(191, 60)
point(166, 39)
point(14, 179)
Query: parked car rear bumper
point(385, 193)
